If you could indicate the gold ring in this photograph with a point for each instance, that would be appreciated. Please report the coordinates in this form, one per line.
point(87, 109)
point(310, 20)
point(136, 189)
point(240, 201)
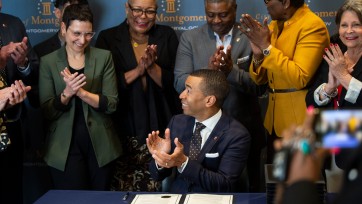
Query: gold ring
point(248, 30)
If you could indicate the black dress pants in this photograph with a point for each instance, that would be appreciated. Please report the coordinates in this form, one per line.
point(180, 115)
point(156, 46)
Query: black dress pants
point(82, 171)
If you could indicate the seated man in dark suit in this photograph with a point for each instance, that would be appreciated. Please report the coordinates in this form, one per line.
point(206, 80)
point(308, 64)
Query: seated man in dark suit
point(210, 158)
point(220, 45)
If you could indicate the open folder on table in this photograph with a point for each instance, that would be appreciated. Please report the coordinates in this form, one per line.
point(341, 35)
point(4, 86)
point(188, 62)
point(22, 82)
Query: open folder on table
point(189, 199)
point(208, 199)
point(157, 198)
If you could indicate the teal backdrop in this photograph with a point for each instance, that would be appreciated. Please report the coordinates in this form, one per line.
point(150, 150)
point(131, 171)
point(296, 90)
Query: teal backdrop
point(181, 15)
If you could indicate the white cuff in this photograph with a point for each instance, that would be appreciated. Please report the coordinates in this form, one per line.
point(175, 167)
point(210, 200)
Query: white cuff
point(183, 165)
point(24, 71)
point(317, 99)
point(158, 168)
point(354, 89)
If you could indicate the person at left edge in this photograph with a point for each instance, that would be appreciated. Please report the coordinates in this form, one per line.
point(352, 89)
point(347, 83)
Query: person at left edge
point(19, 62)
point(77, 94)
point(225, 142)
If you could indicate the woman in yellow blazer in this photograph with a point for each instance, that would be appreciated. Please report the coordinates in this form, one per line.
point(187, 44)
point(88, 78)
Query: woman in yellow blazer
point(286, 55)
point(78, 92)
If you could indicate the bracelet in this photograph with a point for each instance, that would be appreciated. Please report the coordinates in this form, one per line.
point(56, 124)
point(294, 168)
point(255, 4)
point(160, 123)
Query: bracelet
point(63, 95)
point(258, 62)
point(324, 93)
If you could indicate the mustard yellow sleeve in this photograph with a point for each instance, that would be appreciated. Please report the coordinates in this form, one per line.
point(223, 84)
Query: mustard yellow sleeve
point(259, 75)
point(298, 58)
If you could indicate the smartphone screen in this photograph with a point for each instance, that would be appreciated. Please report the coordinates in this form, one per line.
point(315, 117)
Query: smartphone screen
point(339, 128)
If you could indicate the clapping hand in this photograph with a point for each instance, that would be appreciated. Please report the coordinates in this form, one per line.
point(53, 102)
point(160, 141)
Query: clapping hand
point(258, 34)
point(17, 51)
point(147, 60)
point(18, 92)
point(150, 57)
point(73, 82)
point(336, 61)
point(156, 143)
point(221, 61)
point(20, 52)
point(176, 159)
point(4, 97)
point(339, 72)
point(13, 95)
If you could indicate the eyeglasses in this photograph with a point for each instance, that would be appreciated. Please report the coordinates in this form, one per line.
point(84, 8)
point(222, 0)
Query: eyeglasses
point(78, 34)
point(137, 12)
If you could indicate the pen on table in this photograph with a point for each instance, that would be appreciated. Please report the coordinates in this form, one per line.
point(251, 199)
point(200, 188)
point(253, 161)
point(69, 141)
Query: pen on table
point(125, 196)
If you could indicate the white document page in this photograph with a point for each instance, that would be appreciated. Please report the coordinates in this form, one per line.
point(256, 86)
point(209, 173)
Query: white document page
point(208, 199)
point(156, 198)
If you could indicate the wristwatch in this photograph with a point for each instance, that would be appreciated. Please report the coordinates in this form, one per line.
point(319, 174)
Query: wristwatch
point(266, 52)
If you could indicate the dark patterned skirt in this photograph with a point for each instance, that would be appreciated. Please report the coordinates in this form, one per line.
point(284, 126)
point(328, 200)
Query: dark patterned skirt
point(131, 173)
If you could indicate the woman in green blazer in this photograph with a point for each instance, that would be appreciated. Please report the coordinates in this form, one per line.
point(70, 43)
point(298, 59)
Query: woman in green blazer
point(78, 93)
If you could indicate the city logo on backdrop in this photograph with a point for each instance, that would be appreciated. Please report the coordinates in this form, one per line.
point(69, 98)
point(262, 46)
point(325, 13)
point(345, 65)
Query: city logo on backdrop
point(170, 15)
point(171, 6)
point(326, 13)
point(45, 8)
point(44, 20)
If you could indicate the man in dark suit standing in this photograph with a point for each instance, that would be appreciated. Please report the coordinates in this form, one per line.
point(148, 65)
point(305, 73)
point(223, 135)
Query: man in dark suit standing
point(20, 63)
point(207, 159)
point(220, 45)
point(57, 40)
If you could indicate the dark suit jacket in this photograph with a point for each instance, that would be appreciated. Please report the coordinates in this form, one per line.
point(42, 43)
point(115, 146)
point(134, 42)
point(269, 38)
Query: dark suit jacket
point(305, 192)
point(229, 139)
point(101, 80)
point(139, 112)
point(13, 30)
point(322, 77)
point(48, 46)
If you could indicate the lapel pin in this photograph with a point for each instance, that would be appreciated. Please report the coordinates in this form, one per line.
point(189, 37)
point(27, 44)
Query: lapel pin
point(4, 25)
point(237, 39)
point(215, 138)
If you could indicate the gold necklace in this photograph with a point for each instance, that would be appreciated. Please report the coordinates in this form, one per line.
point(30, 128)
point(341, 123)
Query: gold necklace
point(135, 44)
